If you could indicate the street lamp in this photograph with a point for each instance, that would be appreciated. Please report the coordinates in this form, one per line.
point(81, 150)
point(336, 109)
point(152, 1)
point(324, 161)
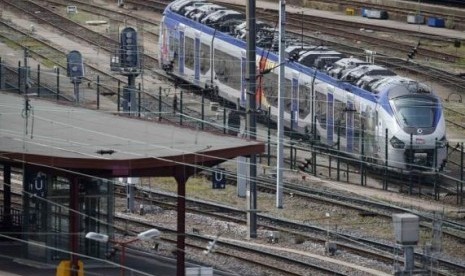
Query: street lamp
point(144, 236)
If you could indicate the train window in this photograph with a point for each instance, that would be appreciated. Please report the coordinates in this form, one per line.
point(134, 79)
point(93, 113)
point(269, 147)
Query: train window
point(271, 88)
point(173, 44)
point(415, 111)
point(340, 117)
point(227, 69)
point(320, 108)
point(189, 52)
point(204, 58)
point(304, 101)
point(287, 95)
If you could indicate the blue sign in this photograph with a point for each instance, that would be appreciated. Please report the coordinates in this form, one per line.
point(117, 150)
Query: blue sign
point(218, 179)
point(39, 185)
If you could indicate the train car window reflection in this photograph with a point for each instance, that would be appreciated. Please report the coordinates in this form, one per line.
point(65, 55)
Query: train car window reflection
point(320, 109)
point(271, 86)
point(227, 69)
point(304, 101)
point(287, 95)
point(419, 111)
point(340, 117)
point(204, 58)
point(189, 50)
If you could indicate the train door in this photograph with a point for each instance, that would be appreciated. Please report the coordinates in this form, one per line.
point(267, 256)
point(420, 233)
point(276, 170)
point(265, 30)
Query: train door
point(350, 125)
point(305, 102)
point(340, 111)
point(243, 78)
point(357, 125)
point(320, 114)
point(330, 117)
point(379, 136)
point(164, 54)
point(181, 56)
point(295, 101)
point(197, 58)
point(369, 121)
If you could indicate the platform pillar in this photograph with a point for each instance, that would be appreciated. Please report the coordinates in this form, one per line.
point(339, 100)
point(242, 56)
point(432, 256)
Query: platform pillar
point(74, 224)
point(7, 196)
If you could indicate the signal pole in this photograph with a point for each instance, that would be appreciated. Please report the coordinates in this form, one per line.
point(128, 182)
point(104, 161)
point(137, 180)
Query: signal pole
point(127, 62)
point(281, 82)
point(251, 122)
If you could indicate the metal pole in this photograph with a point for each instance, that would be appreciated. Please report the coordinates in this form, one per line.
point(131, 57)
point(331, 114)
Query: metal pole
point(180, 108)
point(119, 96)
point(385, 182)
point(281, 83)
point(338, 166)
point(138, 101)
point(58, 83)
point(98, 91)
point(123, 258)
point(38, 80)
point(461, 174)
point(74, 225)
point(19, 77)
point(159, 104)
point(250, 73)
point(25, 71)
point(269, 135)
point(7, 195)
point(411, 165)
point(224, 120)
point(76, 91)
point(1, 74)
point(203, 110)
point(362, 155)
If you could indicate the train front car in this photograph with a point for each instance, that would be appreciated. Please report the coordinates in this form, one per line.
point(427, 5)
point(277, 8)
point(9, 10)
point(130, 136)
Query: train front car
point(415, 124)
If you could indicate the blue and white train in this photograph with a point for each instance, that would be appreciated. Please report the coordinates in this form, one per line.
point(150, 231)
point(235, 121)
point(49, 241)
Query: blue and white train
point(326, 93)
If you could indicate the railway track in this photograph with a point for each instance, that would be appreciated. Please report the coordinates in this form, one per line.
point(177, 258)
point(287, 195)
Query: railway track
point(153, 105)
point(247, 253)
point(398, 10)
point(73, 29)
point(355, 244)
point(345, 241)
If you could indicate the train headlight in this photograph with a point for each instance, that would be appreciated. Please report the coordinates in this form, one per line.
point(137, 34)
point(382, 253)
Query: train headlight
point(441, 143)
point(396, 143)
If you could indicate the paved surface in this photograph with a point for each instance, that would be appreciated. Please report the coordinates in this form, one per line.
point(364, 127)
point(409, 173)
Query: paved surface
point(11, 264)
point(147, 264)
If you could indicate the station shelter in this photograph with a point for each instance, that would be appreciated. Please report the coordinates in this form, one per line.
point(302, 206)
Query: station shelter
point(68, 157)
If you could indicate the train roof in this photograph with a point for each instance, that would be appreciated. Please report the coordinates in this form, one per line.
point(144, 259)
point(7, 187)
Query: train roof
point(177, 6)
point(350, 61)
point(366, 70)
point(258, 26)
point(411, 85)
point(221, 15)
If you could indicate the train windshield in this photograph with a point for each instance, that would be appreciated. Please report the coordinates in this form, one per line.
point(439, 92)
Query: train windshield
point(415, 111)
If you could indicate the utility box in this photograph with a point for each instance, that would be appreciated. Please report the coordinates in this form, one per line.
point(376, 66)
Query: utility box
point(350, 11)
point(406, 228)
point(415, 19)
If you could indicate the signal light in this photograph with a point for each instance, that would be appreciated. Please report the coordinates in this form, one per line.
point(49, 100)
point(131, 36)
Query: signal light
point(75, 67)
point(129, 54)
